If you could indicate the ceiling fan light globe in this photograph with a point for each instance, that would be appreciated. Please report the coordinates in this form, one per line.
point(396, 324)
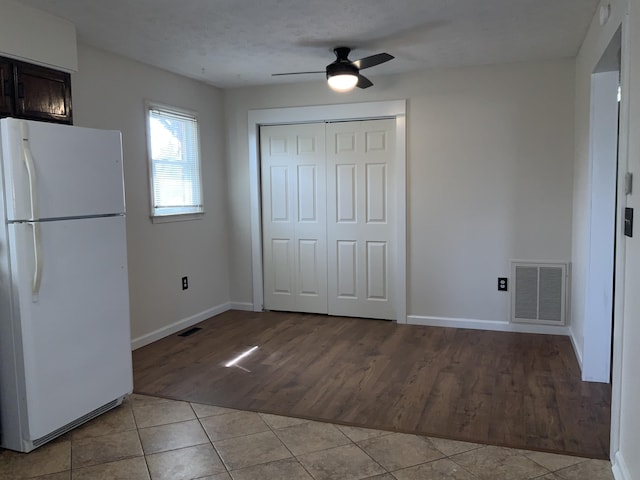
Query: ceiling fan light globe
point(342, 82)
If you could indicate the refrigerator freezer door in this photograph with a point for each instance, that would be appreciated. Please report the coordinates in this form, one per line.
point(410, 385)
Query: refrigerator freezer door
point(75, 332)
point(76, 171)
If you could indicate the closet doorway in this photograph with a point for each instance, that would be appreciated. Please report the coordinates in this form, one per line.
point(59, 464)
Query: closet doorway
point(380, 266)
point(327, 217)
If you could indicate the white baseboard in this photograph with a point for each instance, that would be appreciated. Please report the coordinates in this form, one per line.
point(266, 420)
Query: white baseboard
point(494, 325)
point(577, 349)
point(244, 306)
point(179, 325)
point(620, 470)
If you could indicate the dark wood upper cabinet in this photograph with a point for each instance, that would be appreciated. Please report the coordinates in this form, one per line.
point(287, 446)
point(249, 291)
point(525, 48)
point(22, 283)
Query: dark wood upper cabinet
point(36, 93)
point(6, 88)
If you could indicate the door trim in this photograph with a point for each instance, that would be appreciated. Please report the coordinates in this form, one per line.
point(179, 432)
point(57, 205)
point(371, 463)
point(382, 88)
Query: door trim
point(620, 257)
point(600, 258)
point(341, 112)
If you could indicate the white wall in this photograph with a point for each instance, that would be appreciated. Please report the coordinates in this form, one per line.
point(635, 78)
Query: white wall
point(109, 92)
point(490, 155)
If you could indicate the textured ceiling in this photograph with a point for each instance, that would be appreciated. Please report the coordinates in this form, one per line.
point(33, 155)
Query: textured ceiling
point(231, 43)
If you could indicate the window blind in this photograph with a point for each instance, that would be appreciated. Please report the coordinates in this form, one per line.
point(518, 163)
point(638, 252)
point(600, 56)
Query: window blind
point(175, 162)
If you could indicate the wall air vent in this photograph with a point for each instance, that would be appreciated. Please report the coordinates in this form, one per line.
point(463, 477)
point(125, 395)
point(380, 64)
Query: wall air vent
point(539, 292)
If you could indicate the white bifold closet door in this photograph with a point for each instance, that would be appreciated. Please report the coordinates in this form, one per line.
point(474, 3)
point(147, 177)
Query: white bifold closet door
point(294, 217)
point(327, 213)
point(360, 218)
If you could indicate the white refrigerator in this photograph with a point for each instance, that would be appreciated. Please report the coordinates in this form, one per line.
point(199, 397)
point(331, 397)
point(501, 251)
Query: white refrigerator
point(65, 346)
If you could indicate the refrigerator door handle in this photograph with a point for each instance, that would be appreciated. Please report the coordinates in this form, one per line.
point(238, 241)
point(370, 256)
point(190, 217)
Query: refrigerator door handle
point(35, 226)
point(31, 172)
point(37, 259)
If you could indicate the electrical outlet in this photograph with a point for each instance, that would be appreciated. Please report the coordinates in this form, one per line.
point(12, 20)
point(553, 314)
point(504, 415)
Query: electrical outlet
point(185, 283)
point(502, 284)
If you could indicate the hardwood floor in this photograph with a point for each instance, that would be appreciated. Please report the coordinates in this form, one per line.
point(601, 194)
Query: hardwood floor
point(509, 389)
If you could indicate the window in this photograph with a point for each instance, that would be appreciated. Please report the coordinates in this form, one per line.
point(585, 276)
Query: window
point(174, 162)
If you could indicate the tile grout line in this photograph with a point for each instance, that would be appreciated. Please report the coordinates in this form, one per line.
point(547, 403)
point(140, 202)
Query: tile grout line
point(285, 446)
point(444, 457)
point(558, 469)
point(322, 449)
point(366, 453)
point(71, 453)
point(135, 422)
point(462, 466)
point(226, 469)
point(516, 452)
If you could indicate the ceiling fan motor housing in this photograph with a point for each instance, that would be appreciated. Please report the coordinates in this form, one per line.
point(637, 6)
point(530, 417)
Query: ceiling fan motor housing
point(342, 64)
point(338, 68)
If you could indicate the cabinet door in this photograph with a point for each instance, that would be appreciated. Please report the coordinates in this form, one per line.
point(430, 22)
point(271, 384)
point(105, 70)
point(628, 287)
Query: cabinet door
point(43, 94)
point(6, 88)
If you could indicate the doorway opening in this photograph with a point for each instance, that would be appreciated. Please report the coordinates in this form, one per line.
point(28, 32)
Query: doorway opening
point(600, 288)
point(328, 218)
point(395, 110)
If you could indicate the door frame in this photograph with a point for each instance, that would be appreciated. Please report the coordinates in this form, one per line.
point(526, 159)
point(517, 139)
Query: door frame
point(396, 109)
point(603, 229)
point(620, 256)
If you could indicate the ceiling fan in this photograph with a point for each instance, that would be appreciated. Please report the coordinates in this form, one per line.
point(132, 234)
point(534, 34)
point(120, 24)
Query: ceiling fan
point(343, 74)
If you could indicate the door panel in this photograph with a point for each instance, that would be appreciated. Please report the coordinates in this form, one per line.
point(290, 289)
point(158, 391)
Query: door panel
point(307, 194)
point(345, 142)
point(294, 192)
point(75, 331)
point(376, 193)
point(6, 88)
point(347, 269)
point(346, 193)
point(360, 229)
point(281, 255)
point(308, 267)
point(377, 270)
point(43, 93)
point(78, 170)
point(279, 194)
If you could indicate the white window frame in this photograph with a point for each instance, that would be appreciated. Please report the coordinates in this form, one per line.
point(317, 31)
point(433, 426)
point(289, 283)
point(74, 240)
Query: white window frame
point(175, 216)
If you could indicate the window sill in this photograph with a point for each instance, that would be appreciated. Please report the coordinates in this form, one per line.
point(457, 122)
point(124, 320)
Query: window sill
point(183, 217)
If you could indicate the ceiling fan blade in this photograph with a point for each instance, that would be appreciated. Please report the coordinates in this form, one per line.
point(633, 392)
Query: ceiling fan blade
point(363, 82)
point(296, 73)
point(373, 60)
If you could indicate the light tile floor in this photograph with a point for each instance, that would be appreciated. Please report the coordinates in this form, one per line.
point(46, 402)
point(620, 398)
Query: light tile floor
point(158, 439)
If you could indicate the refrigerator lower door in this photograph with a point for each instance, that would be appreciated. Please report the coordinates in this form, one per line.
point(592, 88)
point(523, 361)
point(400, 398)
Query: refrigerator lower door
point(74, 333)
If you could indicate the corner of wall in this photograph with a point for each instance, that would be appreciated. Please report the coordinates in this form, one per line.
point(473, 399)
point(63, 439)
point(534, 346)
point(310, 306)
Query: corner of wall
point(620, 470)
point(577, 346)
point(175, 327)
